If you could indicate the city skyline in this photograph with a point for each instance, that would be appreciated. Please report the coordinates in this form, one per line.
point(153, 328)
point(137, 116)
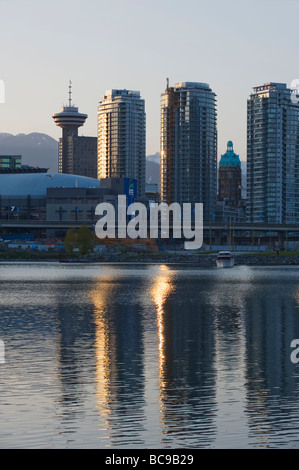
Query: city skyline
point(74, 42)
point(149, 227)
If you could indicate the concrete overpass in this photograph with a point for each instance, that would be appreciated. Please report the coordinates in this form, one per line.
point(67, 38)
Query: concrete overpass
point(214, 233)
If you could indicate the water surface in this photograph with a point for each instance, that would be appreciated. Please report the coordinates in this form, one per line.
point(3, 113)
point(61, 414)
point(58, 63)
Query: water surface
point(148, 356)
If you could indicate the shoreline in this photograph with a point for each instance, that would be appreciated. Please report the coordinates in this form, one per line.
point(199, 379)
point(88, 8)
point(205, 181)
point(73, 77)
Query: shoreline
point(201, 260)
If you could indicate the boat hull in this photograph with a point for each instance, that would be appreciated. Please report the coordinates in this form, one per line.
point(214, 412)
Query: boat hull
point(225, 263)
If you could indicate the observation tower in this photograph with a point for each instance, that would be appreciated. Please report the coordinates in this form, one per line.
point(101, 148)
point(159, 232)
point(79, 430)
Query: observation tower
point(69, 119)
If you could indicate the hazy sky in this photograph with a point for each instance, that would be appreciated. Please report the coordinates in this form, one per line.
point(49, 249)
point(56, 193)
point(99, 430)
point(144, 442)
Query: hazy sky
point(233, 45)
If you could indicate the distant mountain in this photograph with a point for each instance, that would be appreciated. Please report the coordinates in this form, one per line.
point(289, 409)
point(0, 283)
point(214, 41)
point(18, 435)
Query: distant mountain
point(36, 149)
point(154, 158)
point(42, 150)
point(153, 168)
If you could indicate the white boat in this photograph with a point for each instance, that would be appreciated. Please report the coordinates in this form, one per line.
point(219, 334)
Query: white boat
point(225, 259)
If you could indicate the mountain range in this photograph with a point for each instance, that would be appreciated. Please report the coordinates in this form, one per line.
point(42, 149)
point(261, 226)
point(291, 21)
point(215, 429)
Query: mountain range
point(42, 150)
point(36, 149)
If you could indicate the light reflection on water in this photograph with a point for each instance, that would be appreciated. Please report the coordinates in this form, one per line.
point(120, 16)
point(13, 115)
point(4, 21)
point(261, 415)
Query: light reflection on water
point(148, 356)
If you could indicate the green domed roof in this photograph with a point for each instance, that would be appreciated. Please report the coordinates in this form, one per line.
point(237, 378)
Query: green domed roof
point(230, 158)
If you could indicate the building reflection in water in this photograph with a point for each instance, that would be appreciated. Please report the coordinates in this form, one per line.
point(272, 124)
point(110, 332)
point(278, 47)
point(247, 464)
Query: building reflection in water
point(271, 322)
point(104, 344)
point(74, 341)
point(127, 328)
point(186, 357)
point(163, 286)
point(182, 357)
point(119, 359)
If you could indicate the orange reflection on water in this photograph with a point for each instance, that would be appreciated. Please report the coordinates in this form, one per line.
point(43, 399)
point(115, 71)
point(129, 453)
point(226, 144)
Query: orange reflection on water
point(104, 365)
point(161, 289)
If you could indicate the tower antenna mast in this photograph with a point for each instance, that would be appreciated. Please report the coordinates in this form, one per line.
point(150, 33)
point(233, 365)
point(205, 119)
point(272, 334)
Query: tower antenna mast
point(70, 94)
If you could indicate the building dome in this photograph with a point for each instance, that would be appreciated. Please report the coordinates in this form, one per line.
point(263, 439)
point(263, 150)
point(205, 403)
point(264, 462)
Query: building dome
point(230, 158)
point(36, 184)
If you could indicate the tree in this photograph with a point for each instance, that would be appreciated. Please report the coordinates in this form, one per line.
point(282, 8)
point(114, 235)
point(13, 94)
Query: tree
point(85, 240)
point(70, 240)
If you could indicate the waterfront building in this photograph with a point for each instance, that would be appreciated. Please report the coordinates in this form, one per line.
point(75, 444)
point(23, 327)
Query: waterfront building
point(24, 169)
point(13, 164)
point(152, 193)
point(10, 162)
point(77, 155)
point(122, 137)
point(49, 203)
point(230, 177)
point(272, 155)
point(189, 145)
point(24, 196)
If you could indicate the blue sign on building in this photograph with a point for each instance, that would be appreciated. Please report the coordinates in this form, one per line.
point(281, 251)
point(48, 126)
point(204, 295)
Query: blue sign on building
point(130, 189)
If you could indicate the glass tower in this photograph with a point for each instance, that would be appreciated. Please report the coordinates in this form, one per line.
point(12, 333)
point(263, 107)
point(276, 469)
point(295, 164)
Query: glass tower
point(122, 137)
point(272, 155)
point(189, 145)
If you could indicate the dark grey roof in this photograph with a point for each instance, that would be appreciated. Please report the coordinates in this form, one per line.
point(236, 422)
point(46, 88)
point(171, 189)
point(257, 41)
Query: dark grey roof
point(36, 184)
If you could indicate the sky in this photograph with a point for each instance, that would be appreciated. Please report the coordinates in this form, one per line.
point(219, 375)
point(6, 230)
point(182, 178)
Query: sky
point(232, 45)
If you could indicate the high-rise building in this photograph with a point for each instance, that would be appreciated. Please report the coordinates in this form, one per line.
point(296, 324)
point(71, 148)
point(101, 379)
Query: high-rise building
point(272, 155)
point(230, 177)
point(121, 137)
point(77, 155)
point(189, 145)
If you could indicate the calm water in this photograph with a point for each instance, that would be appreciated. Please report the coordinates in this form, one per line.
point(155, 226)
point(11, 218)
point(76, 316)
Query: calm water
point(148, 356)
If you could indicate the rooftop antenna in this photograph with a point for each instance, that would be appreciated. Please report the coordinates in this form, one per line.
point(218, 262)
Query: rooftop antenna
point(70, 94)
point(167, 83)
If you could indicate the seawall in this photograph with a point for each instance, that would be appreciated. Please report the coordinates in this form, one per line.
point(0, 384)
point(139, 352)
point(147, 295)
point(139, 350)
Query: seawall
point(203, 260)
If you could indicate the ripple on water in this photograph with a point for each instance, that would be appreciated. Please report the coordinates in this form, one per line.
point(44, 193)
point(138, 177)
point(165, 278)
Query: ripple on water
point(148, 356)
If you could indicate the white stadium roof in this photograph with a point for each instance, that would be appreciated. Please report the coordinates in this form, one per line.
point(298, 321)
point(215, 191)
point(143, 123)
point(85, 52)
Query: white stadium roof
point(36, 184)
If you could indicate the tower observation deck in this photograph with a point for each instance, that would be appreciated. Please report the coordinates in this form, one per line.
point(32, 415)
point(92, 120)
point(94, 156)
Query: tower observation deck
point(69, 118)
